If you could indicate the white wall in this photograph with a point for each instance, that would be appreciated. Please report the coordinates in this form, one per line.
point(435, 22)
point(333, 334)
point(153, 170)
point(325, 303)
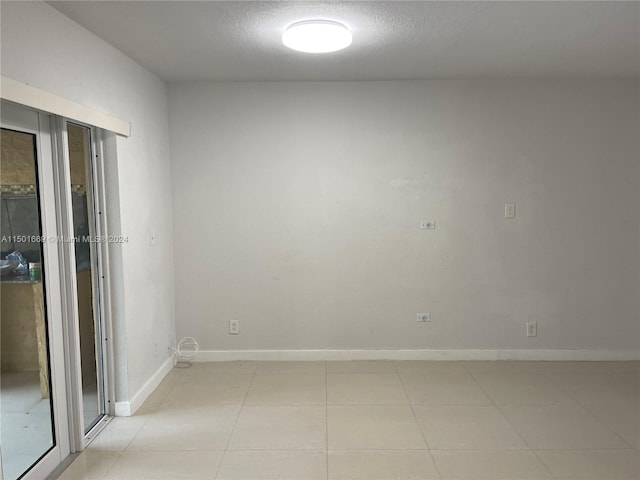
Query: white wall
point(45, 49)
point(297, 209)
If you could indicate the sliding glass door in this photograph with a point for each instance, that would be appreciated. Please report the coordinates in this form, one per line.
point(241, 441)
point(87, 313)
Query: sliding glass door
point(87, 298)
point(33, 420)
point(53, 391)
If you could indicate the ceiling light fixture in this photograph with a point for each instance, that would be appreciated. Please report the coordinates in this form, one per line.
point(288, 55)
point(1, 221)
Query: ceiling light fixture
point(317, 36)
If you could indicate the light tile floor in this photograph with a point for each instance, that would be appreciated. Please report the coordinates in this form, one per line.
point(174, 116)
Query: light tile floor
point(379, 421)
point(25, 422)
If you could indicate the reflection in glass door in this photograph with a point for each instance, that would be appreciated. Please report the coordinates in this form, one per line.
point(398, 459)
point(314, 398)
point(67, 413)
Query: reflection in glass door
point(26, 416)
point(84, 231)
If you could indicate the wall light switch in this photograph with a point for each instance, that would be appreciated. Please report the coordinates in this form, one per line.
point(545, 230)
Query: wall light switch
point(234, 327)
point(509, 210)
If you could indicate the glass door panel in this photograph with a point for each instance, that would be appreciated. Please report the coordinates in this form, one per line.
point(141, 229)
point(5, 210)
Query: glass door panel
point(26, 410)
point(79, 143)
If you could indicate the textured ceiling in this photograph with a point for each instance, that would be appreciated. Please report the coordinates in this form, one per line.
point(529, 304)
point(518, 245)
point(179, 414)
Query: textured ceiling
point(180, 40)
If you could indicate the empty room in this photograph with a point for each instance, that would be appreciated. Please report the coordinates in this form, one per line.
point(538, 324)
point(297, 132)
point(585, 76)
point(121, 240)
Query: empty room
point(339, 240)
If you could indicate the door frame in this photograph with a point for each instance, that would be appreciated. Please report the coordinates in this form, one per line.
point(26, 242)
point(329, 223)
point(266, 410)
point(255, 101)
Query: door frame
point(39, 124)
point(100, 282)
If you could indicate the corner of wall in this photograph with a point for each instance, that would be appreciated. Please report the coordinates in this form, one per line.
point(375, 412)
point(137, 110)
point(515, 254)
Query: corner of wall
point(128, 408)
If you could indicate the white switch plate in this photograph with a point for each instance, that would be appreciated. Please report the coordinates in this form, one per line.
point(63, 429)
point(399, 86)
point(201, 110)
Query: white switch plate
point(423, 317)
point(427, 225)
point(532, 329)
point(509, 210)
point(234, 327)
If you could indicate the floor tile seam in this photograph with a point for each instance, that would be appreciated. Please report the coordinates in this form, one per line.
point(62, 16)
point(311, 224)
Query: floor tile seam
point(562, 390)
point(552, 377)
point(191, 424)
point(175, 384)
point(148, 419)
point(560, 385)
point(108, 470)
point(226, 449)
point(244, 449)
point(601, 421)
point(326, 418)
point(269, 449)
point(262, 404)
point(434, 376)
point(175, 450)
point(607, 375)
point(452, 404)
point(362, 404)
point(288, 405)
point(487, 449)
point(408, 404)
point(599, 449)
point(479, 450)
point(415, 418)
point(585, 407)
point(200, 376)
point(547, 469)
point(486, 393)
point(529, 449)
point(394, 450)
point(144, 424)
point(166, 452)
point(257, 370)
point(378, 449)
point(221, 461)
point(466, 365)
point(294, 450)
point(513, 373)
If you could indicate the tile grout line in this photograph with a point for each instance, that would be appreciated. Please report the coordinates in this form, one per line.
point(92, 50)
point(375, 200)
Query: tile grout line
point(106, 471)
point(150, 414)
point(602, 422)
point(326, 415)
point(497, 407)
point(586, 408)
point(244, 399)
point(415, 417)
point(119, 454)
point(88, 451)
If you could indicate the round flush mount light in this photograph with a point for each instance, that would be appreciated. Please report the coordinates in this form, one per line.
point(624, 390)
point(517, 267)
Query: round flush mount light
point(317, 36)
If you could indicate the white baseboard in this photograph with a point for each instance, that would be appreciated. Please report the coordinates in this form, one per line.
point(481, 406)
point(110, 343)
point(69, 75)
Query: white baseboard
point(126, 409)
point(329, 355)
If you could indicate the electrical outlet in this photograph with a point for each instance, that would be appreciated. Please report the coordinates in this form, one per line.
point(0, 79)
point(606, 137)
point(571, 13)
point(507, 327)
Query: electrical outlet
point(156, 351)
point(532, 329)
point(427, 225)
point(509, 210)
point(423, 317)
point(234, 327)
